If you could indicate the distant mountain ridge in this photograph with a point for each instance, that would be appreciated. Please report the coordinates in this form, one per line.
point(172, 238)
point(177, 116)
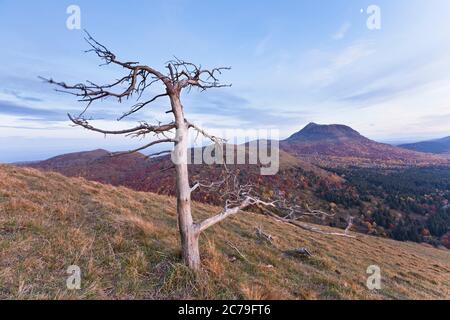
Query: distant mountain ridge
point(75, 158)
point(437, 146)
point(324, 145)
point(316, 132)
point(337, 144)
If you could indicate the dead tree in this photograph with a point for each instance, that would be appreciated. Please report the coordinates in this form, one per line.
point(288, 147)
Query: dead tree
point(179, 75)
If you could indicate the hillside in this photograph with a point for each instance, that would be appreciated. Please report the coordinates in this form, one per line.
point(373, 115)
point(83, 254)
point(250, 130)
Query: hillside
point(400, 202)
point(339, 145)
point(99, 166)
point(139, 173)
point(126, 245)
point(438, 146)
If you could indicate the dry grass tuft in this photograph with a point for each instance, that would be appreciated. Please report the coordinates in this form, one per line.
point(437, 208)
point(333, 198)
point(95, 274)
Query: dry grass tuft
point(260, 292)
point(213, 260)
point(138, 222)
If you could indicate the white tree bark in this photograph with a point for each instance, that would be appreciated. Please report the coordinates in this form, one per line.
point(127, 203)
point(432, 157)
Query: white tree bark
point(188, 231)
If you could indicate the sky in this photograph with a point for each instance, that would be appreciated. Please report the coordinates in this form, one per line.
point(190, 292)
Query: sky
point(293, 62)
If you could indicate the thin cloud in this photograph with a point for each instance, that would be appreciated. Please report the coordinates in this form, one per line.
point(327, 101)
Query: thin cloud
point(262, 45)
point(221, 109)
point(22, 97)
point(342, 32)
point(351, 54)
point(333, 66)
point(31, 128)
point(12, 109)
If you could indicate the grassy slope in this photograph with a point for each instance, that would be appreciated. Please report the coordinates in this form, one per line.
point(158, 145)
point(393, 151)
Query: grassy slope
point(126, 244)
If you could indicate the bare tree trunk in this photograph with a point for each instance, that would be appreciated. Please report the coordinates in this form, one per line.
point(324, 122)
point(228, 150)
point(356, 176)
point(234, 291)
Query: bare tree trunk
point(188, 230)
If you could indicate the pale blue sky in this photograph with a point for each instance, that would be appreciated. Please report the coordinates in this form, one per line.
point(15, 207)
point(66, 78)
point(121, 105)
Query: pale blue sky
point(293, 62)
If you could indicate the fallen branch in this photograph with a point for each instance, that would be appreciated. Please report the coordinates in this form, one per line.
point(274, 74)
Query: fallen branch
point(303, 225)
point(237, 250)
point(264, 236)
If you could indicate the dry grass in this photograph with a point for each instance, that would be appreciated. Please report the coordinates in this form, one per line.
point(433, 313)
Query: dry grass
point(126, 244)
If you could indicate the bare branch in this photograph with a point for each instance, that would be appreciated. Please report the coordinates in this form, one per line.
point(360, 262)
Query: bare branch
point(212, 185)
point(304, 225)
point(247, 202)
point(237, 250)
point(186, 74)
point(263, 235)
point(141, 105)
point(222, 216)
point(296, 212)
point(103, 53)
point(158, 153)
point(214, 139)
point(138, 79)
point(242, 196)
point(144, 128)
point(114, 154)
